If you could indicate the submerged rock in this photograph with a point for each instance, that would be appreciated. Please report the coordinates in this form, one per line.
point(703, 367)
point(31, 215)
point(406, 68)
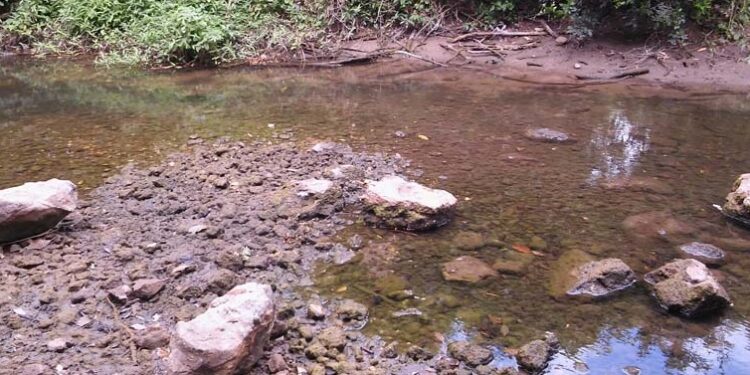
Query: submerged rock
point(472, 355)
point(601, 278)
point(548, 135)
point(534, 356)
point(228, 337)
point(639, 184)
point(397, 203)
point(687, 288)
point(34, 208)
point(467, 269)
point(704, 252)
point(658, 226)
point(351, 310)
point(738, 201)
point(467, 240)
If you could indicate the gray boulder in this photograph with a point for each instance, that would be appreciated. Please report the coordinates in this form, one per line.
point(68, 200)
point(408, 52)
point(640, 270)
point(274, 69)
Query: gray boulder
point(397, 203)
point(738, 201)
point(601, 278)
point(228, 337)
point(706, 253)
point(687, 288)
point(34, 208)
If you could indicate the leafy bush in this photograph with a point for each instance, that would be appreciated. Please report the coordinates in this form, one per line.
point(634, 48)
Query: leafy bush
point(217, 31)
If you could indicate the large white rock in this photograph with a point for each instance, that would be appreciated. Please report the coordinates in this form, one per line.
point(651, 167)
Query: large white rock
point(228, 337)
point(738, 201)
point(34, 208)
point(397, 203)
point(686, 287)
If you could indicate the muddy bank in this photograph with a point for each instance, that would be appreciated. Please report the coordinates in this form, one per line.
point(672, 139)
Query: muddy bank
point(152, 247)
point(533, 56)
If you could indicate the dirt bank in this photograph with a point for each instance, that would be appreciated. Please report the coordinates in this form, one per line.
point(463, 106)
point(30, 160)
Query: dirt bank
point(181, 234)
point(531, 55)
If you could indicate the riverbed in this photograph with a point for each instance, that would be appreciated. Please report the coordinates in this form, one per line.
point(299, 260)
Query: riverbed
point(463, 132)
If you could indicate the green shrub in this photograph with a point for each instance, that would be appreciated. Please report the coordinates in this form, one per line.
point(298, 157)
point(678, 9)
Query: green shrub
point(217, 31)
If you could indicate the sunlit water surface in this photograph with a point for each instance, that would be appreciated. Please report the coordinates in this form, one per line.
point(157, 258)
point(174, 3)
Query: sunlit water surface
point(465, 133)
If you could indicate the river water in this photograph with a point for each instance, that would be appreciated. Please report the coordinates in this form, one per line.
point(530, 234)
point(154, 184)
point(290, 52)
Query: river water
point(637, 151)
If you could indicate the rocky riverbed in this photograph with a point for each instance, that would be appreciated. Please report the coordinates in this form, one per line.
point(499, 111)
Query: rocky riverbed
point(104, 291)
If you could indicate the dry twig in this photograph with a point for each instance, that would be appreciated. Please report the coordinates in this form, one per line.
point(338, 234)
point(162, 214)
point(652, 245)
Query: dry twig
point(131, 336)
point(497, 33)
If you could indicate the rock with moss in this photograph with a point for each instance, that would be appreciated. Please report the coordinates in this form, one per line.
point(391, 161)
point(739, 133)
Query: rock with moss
point(687, 288)
point(394, 202)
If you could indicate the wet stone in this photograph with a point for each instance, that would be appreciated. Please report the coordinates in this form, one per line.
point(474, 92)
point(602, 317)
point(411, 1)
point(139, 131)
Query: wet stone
point(535, 355)
point(467, 269)
point(601, 278)
point(472, 355)
point(351, 310)
point(686, 287)
point(708, 254)
point(466, 240)
point(394, 202)
point(548, 135)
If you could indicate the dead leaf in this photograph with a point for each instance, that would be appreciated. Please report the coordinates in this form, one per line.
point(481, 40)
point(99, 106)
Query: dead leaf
point(423, 137)
point(342, 289)
point(521, 248)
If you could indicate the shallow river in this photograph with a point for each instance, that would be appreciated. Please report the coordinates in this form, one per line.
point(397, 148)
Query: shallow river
point(465, 133)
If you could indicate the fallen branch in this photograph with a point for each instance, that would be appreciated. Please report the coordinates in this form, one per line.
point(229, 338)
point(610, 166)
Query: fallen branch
point(415, 56)
point(131, 336)
point(497, 33)
point(626, 74)
point(548, 29)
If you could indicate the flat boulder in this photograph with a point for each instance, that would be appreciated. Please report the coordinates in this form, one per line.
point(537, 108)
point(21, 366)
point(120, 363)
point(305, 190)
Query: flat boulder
point(468, 269)
point(548, 135)
point(228, 337)
point(34, 208)
point(686, 287)
point(397, 203)
point(738, 200)
point(707, 254)
point(601, 278)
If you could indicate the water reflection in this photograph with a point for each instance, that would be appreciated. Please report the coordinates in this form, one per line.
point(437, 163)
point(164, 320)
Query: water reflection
point(619, 146)
point(630, 351)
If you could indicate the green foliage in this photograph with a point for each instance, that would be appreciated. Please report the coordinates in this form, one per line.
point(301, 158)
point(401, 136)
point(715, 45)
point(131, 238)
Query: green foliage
point(218, 31)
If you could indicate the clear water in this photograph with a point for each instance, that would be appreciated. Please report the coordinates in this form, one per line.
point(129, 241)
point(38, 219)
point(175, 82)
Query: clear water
point(70, 121)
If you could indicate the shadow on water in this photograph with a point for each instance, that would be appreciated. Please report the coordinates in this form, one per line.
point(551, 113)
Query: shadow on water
point(634, 154)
